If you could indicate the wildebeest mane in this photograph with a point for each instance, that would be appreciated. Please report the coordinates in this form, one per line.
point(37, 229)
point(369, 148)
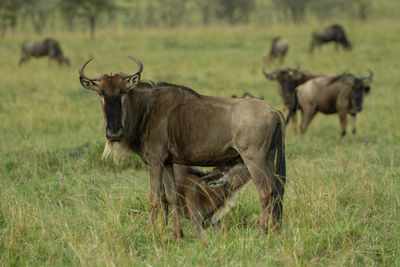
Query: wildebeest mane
point(341, 76)
point(145, 84)
point(184, 88)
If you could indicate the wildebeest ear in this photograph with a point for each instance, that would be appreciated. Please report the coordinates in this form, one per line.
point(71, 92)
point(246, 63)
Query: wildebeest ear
point(88, 84)
point(132, 81)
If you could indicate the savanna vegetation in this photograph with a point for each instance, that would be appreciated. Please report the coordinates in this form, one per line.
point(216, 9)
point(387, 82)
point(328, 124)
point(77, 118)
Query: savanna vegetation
point(61, 205)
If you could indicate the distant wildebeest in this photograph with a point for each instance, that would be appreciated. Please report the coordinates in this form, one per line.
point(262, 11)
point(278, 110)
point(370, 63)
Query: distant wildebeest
point(279, 48)
point(247, 95)
point(342, 94)
point(333, 33)
point(46, 48)
point(288, 79)
point(205, 199)
point(175, 124)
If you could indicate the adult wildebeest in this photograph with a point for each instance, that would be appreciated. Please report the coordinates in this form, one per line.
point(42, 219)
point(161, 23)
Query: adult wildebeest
point(333, 33)
point(175, 124)
point(46, 48)
point(342, 94)
point(288, 79)
point(279, 48)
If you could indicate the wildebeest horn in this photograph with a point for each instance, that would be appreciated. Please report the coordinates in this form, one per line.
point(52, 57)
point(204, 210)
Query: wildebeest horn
point(208, 176)
point(269, 75)
point(297, 65)
point(82, 74)
point(126, 75)
point(371, 74)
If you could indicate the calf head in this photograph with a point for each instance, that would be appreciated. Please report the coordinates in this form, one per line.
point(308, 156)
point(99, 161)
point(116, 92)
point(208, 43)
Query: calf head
point(288, 79)
point(113, 90)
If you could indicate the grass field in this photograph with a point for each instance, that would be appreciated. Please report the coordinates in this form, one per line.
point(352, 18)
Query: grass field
point(60, 205)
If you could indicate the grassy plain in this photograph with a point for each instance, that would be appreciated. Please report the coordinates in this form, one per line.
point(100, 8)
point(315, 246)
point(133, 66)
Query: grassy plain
point(60, 205)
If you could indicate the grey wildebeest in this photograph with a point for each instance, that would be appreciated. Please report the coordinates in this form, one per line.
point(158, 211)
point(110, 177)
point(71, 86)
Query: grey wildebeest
point(341, 94)
point(333, 33)
point(174, 124)
point(279, 48)
point(288, 79)
point(46, 48)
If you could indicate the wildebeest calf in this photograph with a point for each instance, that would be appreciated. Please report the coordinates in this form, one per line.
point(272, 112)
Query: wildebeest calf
point(342, 94)
point(46, 48)
point(205, 199)
point(333, 33)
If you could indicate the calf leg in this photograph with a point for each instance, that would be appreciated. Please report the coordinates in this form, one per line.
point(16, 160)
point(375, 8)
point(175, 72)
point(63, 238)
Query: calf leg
point(170, 191)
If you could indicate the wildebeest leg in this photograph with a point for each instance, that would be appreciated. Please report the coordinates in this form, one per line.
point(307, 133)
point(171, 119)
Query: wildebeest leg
point(262, 178)
point(343, 123)
point(197, 220)
point(353, 123)
point(170, 191)
point(294, 122)
point(155, 191)
point(307, 115)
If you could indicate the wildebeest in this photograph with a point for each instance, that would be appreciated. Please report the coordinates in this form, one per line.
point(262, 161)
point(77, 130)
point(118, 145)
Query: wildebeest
point(248, 95)
point(288, 79)
point(333, 33)
point(46, 48)
point(205, 199)
point(342, 94)
point(175, 124)
point(279, 48)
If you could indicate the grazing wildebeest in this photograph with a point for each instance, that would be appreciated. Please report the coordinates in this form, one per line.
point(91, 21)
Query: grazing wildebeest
point(175, 124)
point(46, 48)
point(288, 79)
point(248, 95)
point(279, 48)
point(342, 94)
point(333, 33)
point(205, 199)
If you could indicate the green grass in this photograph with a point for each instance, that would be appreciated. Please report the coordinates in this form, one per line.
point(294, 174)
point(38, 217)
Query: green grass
point(60, 205)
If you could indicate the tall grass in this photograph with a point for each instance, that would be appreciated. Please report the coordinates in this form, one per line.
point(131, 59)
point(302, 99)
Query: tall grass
point(60, 205)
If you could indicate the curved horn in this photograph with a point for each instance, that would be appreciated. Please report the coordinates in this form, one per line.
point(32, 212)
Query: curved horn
point(371, 74)
point(297, 65)
point(269, 75)
point(208, 176)
point(82, 74)
point(126, 75)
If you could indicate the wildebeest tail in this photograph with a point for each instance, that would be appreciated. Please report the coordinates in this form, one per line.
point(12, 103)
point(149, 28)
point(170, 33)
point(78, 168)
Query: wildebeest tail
point(293, 108)
point(280, 166)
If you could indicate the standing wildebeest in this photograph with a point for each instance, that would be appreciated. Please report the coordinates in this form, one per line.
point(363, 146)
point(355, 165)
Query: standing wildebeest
point(333, 33)
point(288, 79)
point(342, 94)
point(174, 124)
point(205, 199)
point(48, 47)
point(279, 48)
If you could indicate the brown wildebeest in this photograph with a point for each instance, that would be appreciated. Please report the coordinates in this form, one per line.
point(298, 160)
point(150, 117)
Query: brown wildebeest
point(342, 94)
point(205, 199)
point(333, 33)
point(175, 124)
point(247, 95)
point(279, 48)
point(288, 79)
point(46, 48)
